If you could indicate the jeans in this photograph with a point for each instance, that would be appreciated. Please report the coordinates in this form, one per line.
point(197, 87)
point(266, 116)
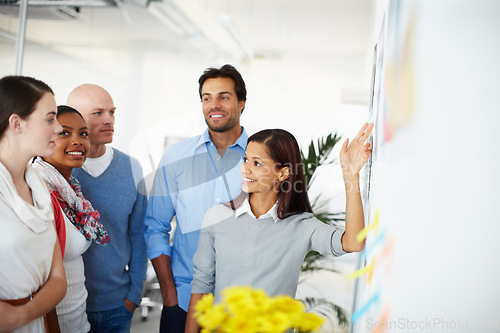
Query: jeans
point(173, 319)
point(110, 321)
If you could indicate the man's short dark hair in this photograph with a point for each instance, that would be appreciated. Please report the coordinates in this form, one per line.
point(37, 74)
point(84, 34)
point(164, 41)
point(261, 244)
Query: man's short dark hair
point(225, 71)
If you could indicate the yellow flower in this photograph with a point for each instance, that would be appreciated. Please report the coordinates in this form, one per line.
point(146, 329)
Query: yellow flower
point(246, 310)
point(260, 297)
point(307, 322)
point(213, 317)
point(204, 304)
point(242, 300)
point(287, 304)
point(240, 324)
point(274, 323)
point(237, 294)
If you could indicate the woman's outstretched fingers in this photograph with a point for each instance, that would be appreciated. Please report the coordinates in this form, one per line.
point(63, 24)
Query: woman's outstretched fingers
point(346, 143)
point(366, 132)
point(361, 132)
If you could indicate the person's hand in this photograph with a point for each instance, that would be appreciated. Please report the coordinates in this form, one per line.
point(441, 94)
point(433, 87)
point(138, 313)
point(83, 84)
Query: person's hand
point(170, 297)
point(11, 317)
point(131, 306)
point(354, 155)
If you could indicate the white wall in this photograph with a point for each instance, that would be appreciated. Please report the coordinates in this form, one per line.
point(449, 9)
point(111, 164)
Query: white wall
point(156, 91)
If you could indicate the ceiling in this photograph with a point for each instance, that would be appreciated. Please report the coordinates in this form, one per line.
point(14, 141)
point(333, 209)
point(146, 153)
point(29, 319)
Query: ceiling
point(267, 29)
point(307, 63)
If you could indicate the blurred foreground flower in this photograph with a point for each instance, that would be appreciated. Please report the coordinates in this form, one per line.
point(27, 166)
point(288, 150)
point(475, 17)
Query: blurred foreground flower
point(247, 310)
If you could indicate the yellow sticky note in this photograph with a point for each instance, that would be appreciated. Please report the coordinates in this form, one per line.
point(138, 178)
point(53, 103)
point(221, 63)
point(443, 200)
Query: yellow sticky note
point(373, 226)
point(362, 271)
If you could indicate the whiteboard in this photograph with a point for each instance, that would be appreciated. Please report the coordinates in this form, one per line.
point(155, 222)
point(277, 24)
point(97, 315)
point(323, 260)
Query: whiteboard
point(431, 260)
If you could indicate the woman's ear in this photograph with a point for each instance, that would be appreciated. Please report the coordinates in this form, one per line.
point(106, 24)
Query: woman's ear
point(15, 123)
point(284, 174)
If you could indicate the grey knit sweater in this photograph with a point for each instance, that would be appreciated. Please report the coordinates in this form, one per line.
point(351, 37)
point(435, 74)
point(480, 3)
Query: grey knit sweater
point(237, 251)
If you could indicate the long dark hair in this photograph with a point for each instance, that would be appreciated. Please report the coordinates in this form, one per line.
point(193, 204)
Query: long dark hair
point(19, 95)
point(284, 150)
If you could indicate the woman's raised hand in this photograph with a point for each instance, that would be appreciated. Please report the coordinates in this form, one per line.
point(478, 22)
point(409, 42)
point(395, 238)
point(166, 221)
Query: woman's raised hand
point(354, 155)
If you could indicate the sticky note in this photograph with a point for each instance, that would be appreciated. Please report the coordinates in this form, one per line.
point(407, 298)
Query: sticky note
point(373, 226)
point(362, 271)
point(357, 314)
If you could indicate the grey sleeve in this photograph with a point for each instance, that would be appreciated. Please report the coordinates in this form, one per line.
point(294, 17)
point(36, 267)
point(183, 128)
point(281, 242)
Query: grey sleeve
point(327, 239)
point(204, 263)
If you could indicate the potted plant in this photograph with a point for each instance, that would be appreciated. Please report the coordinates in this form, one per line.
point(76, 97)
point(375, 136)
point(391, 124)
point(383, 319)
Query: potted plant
point(318, 154)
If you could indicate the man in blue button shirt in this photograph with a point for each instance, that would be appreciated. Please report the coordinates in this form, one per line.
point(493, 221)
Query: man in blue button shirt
point(193, 176)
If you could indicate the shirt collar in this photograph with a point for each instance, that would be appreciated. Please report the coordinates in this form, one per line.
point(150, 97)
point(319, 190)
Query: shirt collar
point(204, 138)
point(245, 208)
point(241, 141)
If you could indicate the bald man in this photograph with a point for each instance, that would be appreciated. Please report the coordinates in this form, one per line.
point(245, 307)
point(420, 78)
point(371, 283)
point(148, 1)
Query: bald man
point(112, 181)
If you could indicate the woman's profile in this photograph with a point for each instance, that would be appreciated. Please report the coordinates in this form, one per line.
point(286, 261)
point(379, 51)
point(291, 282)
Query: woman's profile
point(31, 269)
point(263, 240)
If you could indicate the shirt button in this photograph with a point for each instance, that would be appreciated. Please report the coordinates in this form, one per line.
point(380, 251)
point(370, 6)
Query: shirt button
point(220, 178)
point(218, 199)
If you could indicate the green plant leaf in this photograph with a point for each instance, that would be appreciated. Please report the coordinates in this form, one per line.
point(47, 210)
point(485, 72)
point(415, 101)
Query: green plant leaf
point(318, 154)
point(327, 309)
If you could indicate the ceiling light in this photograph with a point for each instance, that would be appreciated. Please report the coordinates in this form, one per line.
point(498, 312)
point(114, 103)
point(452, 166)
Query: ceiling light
point(167, 13)
point(226, 22)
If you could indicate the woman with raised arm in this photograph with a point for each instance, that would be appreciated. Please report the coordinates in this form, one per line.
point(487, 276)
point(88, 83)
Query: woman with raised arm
point(81, 221)
point(262, 238)
point(31, 269)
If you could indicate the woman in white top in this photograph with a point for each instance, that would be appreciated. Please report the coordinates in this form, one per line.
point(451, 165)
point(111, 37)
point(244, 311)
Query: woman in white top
point(31, 270)
point(81, 220)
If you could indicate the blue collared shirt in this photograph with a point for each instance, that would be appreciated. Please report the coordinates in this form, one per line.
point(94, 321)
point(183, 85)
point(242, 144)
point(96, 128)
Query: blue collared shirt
point(191, 178)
